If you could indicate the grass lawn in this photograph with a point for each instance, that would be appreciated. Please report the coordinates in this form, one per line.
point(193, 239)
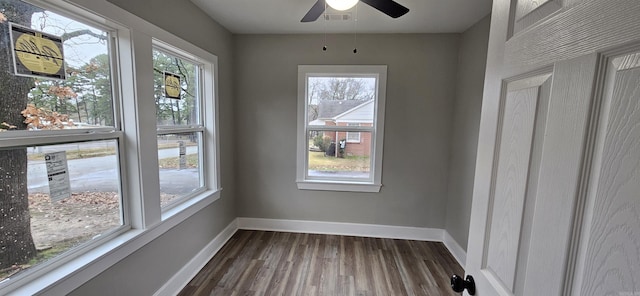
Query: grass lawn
point(41, 256)
point(319, 162)
point(98, 152)
point(78, 154)
point(174, 162)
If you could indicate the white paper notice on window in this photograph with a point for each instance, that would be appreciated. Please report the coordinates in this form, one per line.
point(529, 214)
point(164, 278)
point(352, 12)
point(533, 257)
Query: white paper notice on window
point(58, 175)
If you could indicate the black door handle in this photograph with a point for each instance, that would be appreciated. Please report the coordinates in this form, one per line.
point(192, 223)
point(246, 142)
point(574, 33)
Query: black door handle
point(458, 284)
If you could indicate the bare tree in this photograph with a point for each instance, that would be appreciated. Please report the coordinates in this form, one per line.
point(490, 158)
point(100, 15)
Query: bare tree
point(314, 94)
point(345, 89)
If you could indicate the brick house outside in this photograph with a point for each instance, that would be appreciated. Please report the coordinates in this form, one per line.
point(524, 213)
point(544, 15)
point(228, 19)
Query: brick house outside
point(347, 113)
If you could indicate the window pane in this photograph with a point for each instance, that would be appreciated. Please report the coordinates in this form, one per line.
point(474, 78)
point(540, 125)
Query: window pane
point(72, 196)
point(179, 159)
point(340, 124)
point(80, 97)
point(353, 137)
point(334, 99)
point(176, 90)
point(332, 156)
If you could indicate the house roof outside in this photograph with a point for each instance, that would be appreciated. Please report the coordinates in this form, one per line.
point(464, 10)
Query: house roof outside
point(362, 113)
point(328, 109)
point(349, 111)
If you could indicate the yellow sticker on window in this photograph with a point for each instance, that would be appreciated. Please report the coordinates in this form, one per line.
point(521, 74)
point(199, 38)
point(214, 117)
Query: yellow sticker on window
point(37, 54)
point(172, 88)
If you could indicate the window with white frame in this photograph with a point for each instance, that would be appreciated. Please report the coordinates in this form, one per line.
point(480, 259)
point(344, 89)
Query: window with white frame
point(340, 127)
point(61, 138)
point(178, 97)
point(353, 137)
point(75, 132)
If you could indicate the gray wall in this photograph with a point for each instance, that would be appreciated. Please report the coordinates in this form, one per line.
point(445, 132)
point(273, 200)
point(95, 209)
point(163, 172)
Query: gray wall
point(257, 88)
point(149, 268)
point(420, 94)
point(466, 120)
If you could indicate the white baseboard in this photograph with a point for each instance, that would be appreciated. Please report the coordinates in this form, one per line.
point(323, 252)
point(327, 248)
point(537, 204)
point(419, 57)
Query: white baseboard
point(354, 229)
point(338, 228)
point(455, 249)
point(191, 269)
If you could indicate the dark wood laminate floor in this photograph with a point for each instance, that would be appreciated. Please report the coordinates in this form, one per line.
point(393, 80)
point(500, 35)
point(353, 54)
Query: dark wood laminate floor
point(280, 263)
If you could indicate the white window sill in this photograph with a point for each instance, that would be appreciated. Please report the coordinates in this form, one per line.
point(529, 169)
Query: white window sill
point(70, 276)
point(187, 207)
point(339, 186)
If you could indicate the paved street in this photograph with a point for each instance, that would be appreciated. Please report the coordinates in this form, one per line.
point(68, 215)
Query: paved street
point(100, 174)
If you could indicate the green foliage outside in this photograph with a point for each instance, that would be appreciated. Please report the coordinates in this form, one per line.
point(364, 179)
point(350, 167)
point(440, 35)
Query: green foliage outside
point(322, 142)
point(174, 111)
point(84, 99)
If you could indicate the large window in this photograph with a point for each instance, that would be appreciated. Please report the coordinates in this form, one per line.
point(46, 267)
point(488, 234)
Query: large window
point(60, 140)
point(178, 98)
point(79, 129)
point(340, 127)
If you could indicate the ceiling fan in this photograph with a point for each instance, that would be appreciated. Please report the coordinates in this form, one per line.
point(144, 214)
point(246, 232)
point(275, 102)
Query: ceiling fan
point(388, 7)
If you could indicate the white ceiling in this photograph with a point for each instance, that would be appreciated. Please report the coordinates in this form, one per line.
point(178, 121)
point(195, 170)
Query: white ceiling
point(283, 17)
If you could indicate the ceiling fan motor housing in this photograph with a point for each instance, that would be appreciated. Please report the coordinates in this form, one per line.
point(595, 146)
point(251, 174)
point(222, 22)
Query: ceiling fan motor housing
point(388, 7)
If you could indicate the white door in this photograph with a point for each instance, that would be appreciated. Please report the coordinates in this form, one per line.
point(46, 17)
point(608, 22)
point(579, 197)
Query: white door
point(556, 205)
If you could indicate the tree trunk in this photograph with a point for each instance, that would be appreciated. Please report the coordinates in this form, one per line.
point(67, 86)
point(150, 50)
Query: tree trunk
point(173, 112)
point(16, 243)
point(178, 108)
point(78, 110)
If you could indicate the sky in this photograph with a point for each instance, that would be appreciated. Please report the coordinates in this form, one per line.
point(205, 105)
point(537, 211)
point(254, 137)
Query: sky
point(369, 82)
point(77, 51)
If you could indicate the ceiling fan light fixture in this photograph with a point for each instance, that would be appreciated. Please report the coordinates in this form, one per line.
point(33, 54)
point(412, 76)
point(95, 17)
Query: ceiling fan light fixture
point(342, 5)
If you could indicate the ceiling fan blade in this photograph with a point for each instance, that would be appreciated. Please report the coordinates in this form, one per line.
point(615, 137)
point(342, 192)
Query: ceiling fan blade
point(389, 7)
point(315, 12)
